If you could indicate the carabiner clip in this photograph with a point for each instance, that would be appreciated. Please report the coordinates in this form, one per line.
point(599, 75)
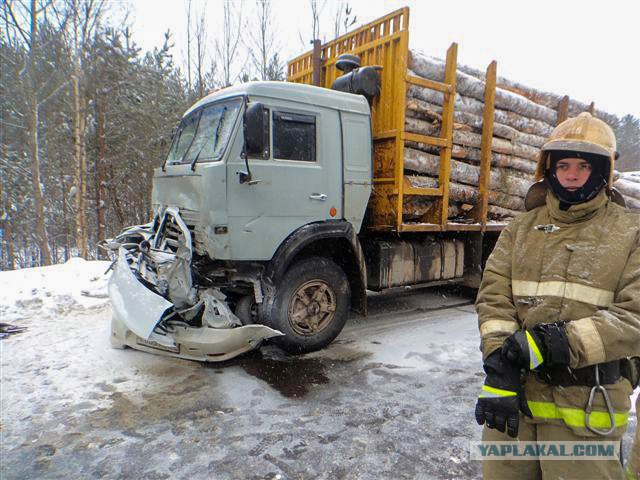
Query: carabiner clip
point(612, 419)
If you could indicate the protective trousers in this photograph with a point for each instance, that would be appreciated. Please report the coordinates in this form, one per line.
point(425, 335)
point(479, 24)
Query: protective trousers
point(541, 469)
point(633, 466)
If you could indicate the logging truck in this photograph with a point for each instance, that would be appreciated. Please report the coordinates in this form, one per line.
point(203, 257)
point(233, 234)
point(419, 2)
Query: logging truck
point(280, 204)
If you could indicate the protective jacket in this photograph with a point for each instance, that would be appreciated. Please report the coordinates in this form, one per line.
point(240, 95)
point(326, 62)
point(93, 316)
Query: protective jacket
point(581, 266)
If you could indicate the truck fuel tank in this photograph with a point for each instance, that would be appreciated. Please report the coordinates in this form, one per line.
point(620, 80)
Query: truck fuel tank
point(395, 263)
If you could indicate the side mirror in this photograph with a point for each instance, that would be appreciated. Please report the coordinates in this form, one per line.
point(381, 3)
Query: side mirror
point(256, 131)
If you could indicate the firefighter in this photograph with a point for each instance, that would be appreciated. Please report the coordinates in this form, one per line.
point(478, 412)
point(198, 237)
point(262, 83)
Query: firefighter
point(559, 310)
point(633, 466)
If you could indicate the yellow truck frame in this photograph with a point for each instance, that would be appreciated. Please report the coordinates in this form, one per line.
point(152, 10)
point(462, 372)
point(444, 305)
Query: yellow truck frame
point(385, 42)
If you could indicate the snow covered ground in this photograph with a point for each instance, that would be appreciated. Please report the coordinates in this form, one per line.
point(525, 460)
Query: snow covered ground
point(32, 293)
point(393, 397)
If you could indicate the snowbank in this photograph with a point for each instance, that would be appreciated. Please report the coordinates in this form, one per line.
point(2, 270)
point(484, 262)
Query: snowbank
point(32, 293)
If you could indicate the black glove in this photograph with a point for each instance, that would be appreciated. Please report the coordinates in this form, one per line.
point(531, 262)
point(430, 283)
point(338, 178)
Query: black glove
point(502, 396)
point(544, 346)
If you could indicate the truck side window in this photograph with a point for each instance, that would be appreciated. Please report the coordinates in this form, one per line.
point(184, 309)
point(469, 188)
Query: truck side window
point(294, 136)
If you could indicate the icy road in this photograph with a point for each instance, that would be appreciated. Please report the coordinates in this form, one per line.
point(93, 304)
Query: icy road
point(392, 397)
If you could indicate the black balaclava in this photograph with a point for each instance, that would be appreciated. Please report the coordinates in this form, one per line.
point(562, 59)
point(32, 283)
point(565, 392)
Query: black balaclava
point(595, 182)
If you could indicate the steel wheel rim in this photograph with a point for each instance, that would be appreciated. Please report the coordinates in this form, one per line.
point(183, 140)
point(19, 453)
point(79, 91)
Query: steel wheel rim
point(311, 308)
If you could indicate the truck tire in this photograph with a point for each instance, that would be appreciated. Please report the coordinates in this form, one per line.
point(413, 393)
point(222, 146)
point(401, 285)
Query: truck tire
point(246, 310)
point(310, 305)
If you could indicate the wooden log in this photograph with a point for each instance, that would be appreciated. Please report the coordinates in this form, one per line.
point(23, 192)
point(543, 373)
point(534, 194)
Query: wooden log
point(496, 212)
point(468, 194)
point(633, 177)
point(502, 160)
point(473, 87)
point(628, 188)
point(461, 172)
point(632, 203)
point(471, 139)
point(428, 110)
point(435, 119)
point(471, 105)
point(498, 145)
point(420, 109)
point(416, 207)
point(457, 150)
point(576, 108)
point(552, 100)
point(548, 99)
point(541, 97)
point(423, 127)
point(471, 154)
point(526, 176)
point(433, 114)
point(466, 138)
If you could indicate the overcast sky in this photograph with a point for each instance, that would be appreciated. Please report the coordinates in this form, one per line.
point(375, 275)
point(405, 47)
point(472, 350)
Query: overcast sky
point(587, 49)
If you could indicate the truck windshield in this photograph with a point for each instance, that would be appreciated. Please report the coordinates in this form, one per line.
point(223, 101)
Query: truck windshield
point(204, 134)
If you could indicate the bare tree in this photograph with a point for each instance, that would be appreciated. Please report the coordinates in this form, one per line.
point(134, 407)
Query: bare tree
point(201, 39)
point(85, 17)
point(261, 40)
point(317, 6)
point(189, 45)
point(106, 123)
point(227, 46)
point(343, 19)
point(21, 23)
point(5, 213)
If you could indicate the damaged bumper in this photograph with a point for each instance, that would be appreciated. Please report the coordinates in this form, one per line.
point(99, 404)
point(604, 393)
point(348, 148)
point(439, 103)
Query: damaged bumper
point(197, 324)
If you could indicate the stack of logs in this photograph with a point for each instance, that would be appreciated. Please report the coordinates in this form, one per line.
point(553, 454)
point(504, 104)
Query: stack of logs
point(628, 184)
point(523, 119)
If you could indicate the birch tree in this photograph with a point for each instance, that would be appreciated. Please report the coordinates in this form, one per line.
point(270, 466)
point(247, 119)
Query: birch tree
point(201, 40)
point(85, 16)
point(227, 46)
point(261, 39)
point(21, 21)
point(189, 2)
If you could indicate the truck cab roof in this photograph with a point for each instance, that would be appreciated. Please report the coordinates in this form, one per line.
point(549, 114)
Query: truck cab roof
point(290, 91)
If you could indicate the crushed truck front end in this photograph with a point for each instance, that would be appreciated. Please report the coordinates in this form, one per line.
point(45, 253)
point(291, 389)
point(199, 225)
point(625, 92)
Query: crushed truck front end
point(173, 290)
point(157, 306)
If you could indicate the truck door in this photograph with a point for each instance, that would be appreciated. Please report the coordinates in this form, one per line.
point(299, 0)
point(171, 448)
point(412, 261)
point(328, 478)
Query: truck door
point(298, 182)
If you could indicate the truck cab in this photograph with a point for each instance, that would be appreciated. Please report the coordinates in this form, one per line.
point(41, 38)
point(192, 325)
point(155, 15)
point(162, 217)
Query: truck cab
point(296, 158)
point(257, 210)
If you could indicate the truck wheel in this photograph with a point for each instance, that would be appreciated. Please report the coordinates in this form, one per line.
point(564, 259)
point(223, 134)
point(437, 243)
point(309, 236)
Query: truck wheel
point(310, 305)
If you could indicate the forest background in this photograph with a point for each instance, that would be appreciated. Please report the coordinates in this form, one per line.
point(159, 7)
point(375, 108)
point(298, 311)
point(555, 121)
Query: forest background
point(85, 114)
